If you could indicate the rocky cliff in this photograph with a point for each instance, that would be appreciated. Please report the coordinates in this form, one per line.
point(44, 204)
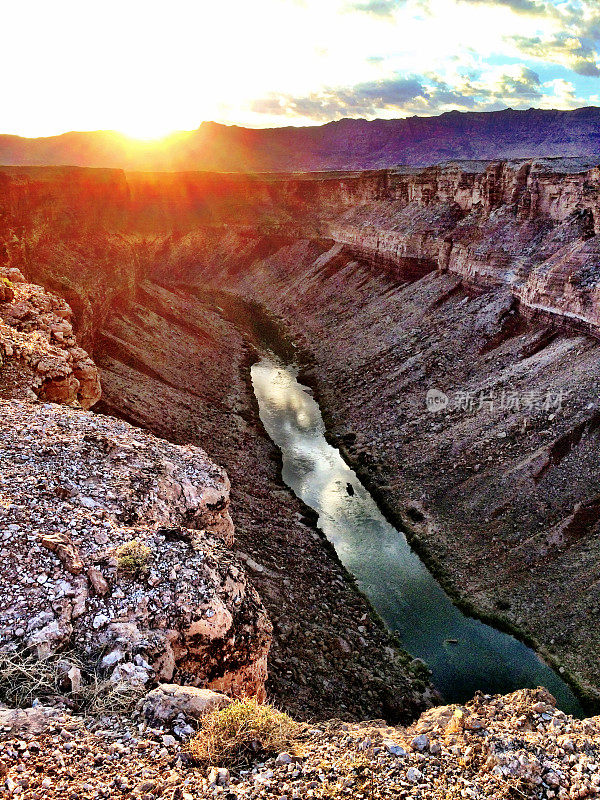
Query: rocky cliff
point(530, 226)
point(39, 354)
point(116, 545)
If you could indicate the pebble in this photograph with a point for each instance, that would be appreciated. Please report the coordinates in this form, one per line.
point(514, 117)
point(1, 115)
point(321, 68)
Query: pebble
point(393, 748)
point(420, 743)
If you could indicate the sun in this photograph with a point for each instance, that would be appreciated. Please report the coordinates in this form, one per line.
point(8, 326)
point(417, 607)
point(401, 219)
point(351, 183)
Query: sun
point(146, 130)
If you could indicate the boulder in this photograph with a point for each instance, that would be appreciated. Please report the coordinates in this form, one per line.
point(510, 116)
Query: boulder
point(36, 335)
point(169, 700)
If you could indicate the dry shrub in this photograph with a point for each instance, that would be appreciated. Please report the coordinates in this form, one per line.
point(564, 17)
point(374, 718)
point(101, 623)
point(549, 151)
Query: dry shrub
point(25, 678)
point(235, 735)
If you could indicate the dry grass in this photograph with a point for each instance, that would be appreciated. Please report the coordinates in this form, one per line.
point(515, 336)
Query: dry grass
point(24, 678)
point(133, 558)
point(235, 735)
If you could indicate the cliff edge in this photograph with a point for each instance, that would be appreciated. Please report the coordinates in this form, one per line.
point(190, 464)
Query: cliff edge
point(117, 545)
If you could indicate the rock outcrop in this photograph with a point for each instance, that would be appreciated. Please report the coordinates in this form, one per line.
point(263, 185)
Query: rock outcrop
point(529, 225)
point(116, 552)
point(39, 355)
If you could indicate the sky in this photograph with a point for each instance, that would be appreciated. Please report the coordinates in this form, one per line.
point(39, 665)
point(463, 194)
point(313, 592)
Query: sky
point(148, 68)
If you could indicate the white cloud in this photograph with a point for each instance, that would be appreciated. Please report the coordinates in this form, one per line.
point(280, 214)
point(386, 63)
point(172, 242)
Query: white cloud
point(145, 66)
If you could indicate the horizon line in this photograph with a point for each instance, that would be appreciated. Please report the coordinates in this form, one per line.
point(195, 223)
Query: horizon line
point(183, 131)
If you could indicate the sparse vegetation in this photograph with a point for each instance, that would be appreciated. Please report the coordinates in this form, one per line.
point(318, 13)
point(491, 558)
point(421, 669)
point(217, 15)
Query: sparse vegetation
point(25, 678)
point(133, 558)
point(233, 736)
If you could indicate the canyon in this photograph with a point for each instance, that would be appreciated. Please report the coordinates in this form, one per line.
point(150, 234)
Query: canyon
point(472, 285)
point(479, 280)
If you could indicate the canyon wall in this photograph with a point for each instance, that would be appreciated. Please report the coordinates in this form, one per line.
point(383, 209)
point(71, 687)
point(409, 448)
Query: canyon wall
point(478, 280)
point(530, 226)
point(498, 489)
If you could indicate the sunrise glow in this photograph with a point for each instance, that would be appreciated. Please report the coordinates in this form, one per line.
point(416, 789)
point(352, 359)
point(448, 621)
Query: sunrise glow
point(134, 68)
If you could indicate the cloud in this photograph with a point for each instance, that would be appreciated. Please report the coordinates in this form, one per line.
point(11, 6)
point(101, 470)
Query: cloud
point(564, 48)
point(524, 84)
point(563, 93)
point(531, 7)
point(517, 86)
point(441, 94)
point(377, 8)
point(365, 99)
point(574, 43)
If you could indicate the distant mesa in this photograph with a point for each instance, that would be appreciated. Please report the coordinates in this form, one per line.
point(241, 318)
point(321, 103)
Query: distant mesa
point(344, 144)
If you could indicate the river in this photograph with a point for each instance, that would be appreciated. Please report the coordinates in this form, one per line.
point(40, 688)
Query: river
point(464, 654)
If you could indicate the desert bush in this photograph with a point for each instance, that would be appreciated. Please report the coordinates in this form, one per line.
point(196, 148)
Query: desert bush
point(133, 558)
point(242, 731)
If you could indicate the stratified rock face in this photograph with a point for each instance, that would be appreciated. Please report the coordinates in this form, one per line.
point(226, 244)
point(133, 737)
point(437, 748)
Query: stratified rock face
point(529, 225)
point(76, 491)
point(39, 355)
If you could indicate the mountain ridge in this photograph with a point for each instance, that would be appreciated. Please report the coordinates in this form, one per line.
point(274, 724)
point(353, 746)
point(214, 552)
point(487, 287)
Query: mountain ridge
point(339, 144)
